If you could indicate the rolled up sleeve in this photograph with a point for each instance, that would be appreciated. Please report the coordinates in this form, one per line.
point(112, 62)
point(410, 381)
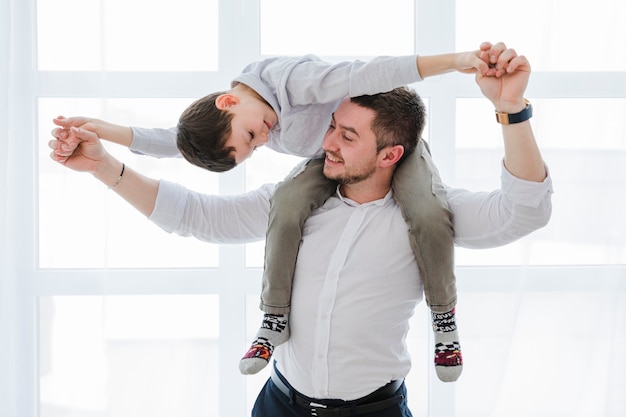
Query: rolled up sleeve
point(491, 219)
point(217, 219)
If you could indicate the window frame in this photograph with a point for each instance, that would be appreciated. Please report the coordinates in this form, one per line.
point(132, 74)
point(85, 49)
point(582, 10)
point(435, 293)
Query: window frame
point(19, 385)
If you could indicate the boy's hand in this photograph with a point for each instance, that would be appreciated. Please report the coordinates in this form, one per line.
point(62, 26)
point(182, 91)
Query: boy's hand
point(68, 142)
point(472, 62)
point(487, 61)
point(87, 154)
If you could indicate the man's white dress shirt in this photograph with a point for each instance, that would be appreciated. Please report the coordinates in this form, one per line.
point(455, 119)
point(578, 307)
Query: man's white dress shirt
point(356, 282)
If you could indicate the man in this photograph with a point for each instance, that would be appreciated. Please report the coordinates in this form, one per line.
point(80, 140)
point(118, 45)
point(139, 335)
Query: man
point(355, 271)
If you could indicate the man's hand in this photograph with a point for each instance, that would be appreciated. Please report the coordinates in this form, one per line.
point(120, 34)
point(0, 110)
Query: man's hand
point(87, 150)
point(505, 82)
point(67, 142)
point(80, 149)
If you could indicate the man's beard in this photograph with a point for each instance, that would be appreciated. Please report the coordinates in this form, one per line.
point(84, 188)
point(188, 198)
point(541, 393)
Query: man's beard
point(353, 175)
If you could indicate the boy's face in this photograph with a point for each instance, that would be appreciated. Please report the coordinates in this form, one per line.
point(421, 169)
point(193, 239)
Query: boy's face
point(250, 126)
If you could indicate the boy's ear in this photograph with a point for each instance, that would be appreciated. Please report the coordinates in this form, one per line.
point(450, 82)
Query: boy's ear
point(226, 100)
point(391, 155)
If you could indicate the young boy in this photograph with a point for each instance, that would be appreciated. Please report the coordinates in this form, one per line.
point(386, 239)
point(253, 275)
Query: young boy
point(288, 104)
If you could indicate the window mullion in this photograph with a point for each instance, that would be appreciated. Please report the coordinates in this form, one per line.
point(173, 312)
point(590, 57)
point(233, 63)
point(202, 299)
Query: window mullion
point(129, 84)
point(239, 44)
point(435, 34)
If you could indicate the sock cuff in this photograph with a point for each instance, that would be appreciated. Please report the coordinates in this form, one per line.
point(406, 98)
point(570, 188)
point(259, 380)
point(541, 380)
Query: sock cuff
point(444, 322)
point(274, 322)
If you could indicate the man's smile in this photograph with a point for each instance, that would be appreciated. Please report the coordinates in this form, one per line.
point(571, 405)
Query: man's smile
point(333, 159)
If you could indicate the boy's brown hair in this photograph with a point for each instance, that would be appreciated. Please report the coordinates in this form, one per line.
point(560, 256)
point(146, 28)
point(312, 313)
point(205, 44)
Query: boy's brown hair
point(203, 130)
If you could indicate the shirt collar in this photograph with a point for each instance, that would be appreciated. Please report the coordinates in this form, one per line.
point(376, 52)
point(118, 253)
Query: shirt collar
point(387, 199)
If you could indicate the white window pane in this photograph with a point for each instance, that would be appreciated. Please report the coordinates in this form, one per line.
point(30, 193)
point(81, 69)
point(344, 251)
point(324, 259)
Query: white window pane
point(267, 166)
point(82, 224)
point(542, 354)
point(127, 35)
point(129, 355)
point(69, 35)
point(555, 35)
point(583, 142)
point(337, 27)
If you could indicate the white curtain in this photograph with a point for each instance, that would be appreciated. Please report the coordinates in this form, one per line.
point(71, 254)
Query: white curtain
point(16, 197)
point(8, 276)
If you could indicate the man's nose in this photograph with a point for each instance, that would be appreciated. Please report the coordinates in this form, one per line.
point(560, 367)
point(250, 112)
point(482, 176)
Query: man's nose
point(330, 140)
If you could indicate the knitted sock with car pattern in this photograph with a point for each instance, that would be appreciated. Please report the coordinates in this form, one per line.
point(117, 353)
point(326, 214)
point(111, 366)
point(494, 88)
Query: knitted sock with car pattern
point(448, 358)
point(274, 331)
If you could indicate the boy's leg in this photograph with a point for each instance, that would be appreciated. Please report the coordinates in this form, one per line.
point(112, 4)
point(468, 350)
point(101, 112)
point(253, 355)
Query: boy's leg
point(304, 190)
point(420, 193)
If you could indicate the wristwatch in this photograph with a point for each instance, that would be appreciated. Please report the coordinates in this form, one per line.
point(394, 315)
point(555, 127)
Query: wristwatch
point(511, 118)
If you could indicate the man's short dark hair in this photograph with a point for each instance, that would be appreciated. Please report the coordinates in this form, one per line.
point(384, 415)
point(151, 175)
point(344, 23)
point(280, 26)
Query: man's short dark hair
point(203, 130)
point(400, 116)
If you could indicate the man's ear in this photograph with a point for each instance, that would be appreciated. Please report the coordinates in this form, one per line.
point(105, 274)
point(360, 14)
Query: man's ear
point(391, 155)
point(226, 100)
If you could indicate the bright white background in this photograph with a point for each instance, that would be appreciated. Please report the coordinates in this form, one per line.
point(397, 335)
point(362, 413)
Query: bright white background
point(103, 314)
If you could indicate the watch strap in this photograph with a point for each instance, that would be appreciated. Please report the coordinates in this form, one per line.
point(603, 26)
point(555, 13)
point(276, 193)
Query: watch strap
point(512, 118)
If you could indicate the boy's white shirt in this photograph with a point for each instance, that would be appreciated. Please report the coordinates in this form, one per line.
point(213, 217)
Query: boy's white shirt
point(304, 92)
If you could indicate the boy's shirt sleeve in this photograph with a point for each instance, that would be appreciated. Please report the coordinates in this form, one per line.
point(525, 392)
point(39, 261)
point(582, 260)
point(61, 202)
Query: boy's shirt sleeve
point(158, 143)
point(314, 81)
point(308, 80)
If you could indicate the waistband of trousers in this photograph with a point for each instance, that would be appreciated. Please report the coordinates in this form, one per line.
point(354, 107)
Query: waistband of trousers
point(382, 398)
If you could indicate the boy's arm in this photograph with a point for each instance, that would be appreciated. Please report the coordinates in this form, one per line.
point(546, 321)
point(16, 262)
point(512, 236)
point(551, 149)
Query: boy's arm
point(309, 80)
point(466, 62)
point(122, 135)
point(152, 142)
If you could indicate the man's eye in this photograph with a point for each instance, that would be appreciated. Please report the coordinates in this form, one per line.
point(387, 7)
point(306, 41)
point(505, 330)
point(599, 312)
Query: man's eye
point(331, 127)
point(347, 139)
